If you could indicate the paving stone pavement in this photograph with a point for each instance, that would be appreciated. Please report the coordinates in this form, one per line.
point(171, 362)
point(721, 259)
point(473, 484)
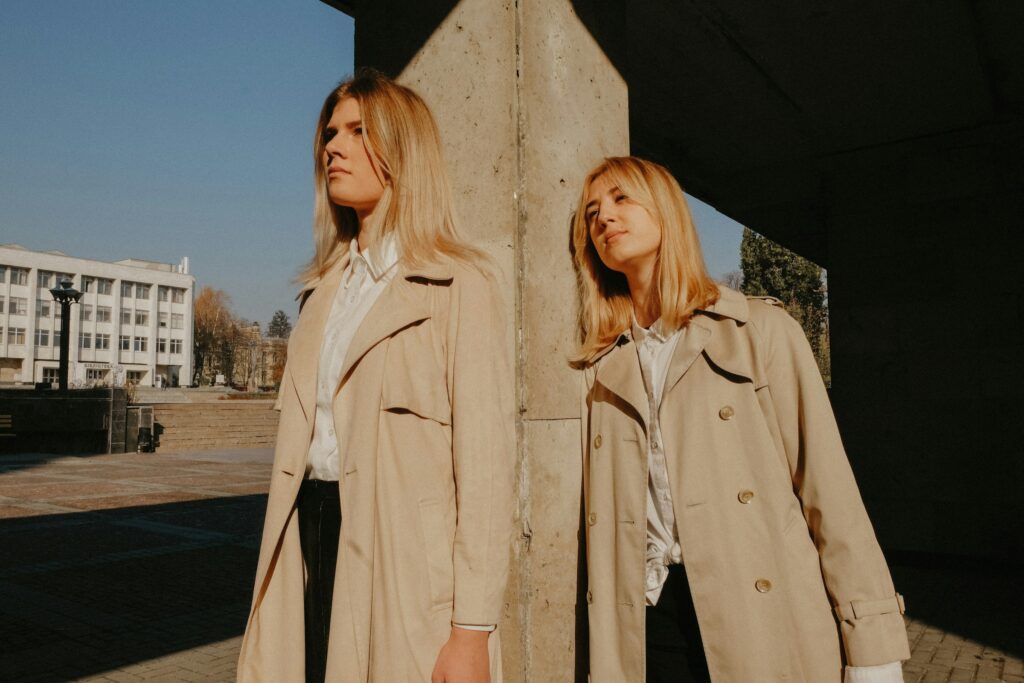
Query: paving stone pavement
point(140, 567)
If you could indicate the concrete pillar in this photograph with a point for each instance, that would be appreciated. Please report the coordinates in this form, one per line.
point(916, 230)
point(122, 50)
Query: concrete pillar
point(527, 102)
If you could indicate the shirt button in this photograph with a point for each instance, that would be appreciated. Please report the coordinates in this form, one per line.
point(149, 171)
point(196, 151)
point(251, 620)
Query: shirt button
point(597, 441)
point(592, 518)
point(726, 412)
point(763, 585)
point(745, 496)
point(330, 432)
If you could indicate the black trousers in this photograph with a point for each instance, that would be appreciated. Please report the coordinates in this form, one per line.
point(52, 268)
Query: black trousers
point(675, 652)
point(319, 508)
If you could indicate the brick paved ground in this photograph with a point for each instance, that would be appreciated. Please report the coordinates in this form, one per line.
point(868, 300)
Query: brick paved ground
point(140, 567)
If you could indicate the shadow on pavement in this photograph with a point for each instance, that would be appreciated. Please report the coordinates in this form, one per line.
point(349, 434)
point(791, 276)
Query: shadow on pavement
point(83, 593)
point(980, 600)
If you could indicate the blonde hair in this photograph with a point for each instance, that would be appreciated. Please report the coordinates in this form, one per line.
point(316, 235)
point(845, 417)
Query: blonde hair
point(416, 205)
point(683, 284)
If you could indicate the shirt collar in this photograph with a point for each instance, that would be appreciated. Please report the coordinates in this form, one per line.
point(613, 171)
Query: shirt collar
point(378, 259)
point(656, 332)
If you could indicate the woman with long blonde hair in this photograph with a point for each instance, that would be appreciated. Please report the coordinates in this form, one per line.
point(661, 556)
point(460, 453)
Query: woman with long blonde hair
point(386, 543)
point(726, 537)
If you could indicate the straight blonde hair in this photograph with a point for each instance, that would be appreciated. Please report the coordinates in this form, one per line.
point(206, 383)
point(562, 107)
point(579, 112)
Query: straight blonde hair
point(683, 284)
point(416, 205)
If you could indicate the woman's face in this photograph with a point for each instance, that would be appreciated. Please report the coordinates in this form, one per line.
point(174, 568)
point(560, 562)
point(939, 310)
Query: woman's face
point(354, 177)
point(625, 234)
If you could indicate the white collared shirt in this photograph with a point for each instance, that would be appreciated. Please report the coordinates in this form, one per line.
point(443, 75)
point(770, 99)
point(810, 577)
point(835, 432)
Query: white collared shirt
point(654, 347)
point(365, 278)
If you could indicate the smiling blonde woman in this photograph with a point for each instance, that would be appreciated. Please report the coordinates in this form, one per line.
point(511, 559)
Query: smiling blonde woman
point(726, 538)
point(386, 543)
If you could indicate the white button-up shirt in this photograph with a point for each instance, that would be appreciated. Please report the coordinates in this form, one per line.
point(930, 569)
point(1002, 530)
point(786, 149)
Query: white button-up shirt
point(365, 278)
point(655, 347)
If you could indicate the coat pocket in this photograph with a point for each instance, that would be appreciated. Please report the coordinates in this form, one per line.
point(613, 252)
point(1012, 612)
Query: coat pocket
point(440, 569)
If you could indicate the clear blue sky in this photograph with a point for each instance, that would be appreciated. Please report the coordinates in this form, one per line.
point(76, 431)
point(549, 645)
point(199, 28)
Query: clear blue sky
point(158, 130)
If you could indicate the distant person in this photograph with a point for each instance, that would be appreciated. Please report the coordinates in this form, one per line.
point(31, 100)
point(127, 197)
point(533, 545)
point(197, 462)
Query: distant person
point(726, 538)
point(387, 538)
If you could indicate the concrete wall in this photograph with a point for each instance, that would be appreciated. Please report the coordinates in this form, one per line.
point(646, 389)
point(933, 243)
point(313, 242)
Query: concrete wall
point(527, 103)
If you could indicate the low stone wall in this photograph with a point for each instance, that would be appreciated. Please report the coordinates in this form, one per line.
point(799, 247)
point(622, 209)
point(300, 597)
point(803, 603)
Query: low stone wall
point(51, 421)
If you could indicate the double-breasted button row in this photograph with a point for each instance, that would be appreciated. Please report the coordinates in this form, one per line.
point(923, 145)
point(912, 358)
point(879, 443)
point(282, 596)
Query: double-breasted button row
point(726, 412)
point(763, 585)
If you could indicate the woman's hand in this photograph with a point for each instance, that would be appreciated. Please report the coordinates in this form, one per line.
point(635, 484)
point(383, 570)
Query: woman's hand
point(463, 659)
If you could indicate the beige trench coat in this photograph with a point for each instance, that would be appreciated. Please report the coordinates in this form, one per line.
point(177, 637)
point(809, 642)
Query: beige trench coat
point(424, 417)
point(787, 578)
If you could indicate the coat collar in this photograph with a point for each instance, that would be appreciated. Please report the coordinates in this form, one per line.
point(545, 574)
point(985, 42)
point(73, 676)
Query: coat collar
point(710, 331)
point(405, 301)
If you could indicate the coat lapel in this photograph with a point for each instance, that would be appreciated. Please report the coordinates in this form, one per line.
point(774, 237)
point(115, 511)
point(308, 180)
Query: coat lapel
point(619, 373)
point(404, 302)
point(304, 345)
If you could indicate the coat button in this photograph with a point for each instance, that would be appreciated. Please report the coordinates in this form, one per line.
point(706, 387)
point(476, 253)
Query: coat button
point(592, 518)
point(726, 412)
point(763, 585)
point(745, 496)
point(590, 597)
point(597, 441)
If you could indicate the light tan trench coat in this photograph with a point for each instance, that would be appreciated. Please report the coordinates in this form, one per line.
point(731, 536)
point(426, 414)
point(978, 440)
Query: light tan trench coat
point(787, 578)
point(425, 440)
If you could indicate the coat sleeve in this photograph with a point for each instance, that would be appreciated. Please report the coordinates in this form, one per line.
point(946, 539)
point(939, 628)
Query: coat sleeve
point(865, 603)
point(483, 440)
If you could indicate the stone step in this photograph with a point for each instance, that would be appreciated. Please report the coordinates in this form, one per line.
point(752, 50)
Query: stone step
point(207, 426)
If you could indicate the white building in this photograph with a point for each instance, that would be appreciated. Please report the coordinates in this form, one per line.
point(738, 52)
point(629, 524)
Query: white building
point(133, 322)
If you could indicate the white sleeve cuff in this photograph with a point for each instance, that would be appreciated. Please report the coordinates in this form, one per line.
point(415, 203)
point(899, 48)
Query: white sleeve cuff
point(476, 627)
point(880, 673)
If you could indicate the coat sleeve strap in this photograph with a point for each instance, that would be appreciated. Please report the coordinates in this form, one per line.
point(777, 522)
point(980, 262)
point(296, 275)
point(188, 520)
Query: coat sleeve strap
point(858, 609)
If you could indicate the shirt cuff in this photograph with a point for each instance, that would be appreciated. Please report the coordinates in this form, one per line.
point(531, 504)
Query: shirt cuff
point(880, 673)
point(476, 627)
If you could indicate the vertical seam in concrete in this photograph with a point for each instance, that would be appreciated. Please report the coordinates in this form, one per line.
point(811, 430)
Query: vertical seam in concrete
point(520, 268)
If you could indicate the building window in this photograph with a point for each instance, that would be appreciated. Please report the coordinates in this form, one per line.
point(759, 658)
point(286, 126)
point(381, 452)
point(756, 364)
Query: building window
point(87, 283)
point(19, 306)
point(142, 343)
point(162, 317)
point(105, 286)
point(85, 313)
point(141, 291)
point(102, 341)
point(125, 342)
point(3, 273)
point(135, 376)
point(84, 340)
point(15, 335)
point(179, 296)
point(42, 337)
point(19, 276)
point(161, 345)
point(95, 374)
point(44, 279)
point(51, 375)
point(161, 293)
point(175, 346)
point(42, 309)
point(127, 288)
point(177, 321)
point(103, 314)
point(141, 317)
point(126, 317)
point(56, 338)
point(1, 302)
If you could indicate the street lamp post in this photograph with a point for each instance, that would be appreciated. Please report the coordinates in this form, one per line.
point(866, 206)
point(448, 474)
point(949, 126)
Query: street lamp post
point(65, 295)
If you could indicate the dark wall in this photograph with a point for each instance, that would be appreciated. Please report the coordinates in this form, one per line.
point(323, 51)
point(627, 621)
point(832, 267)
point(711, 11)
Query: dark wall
point(927, 312)
point(49, 421)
